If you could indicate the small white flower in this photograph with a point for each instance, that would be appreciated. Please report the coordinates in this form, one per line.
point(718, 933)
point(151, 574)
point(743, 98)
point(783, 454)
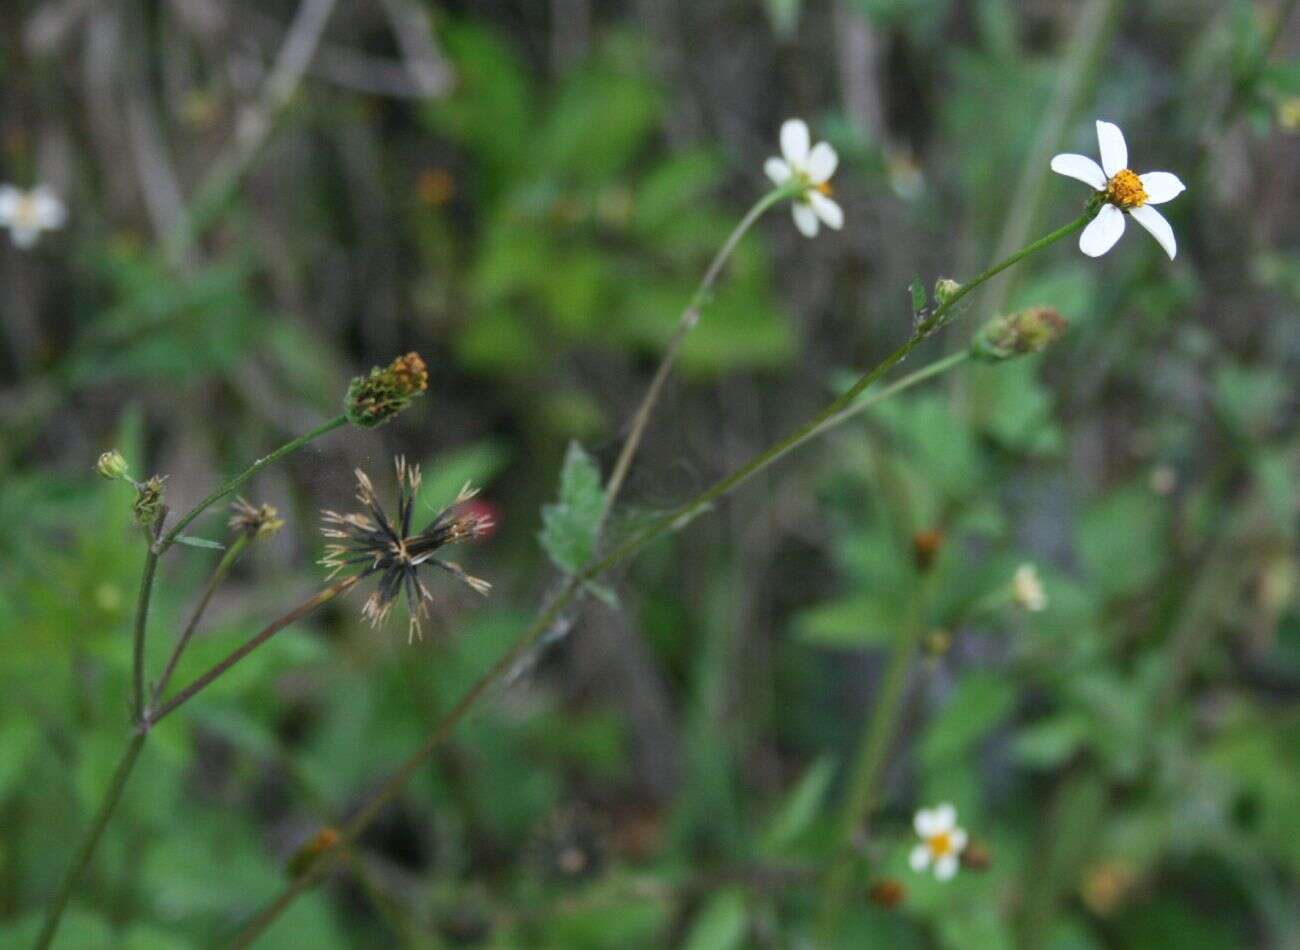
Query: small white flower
point(811, 168)
point(1027, 589)
point(27, 214)
point(942, 842)
point(1125, 191)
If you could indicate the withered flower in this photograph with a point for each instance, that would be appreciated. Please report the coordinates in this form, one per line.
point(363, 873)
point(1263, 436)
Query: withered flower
point(381, 394)
point(377, 545)
point(148, 504)
point(255, 522)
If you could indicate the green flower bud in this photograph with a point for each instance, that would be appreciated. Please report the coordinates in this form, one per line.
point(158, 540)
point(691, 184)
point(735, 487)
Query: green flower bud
point(377, 397)
point(1015, 334)
point(945, 288)
point(148, 505)
point(111, 465)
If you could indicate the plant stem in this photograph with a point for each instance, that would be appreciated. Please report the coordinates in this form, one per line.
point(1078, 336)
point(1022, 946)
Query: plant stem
point(231, 486)
point(921, 375)
point(91, 839)
point(877, 737)
point(266, 633)
point(219, 573)
point(534, 632)
point(687, 322)
point(142, 618)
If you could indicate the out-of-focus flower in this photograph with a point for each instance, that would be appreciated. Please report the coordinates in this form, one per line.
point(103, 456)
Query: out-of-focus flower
point(1017, 334)
point(942, 842)
point(1027, 590)
point(375, 544)
point(382, 393)
point(27, 214)
point(1106, 885)
point(435, 186)
point(1288, 113)
point(1163, 480)
point(925, 547)
point(886, 892)
point(255, 522)
point(1123, 191)
point(809, 168)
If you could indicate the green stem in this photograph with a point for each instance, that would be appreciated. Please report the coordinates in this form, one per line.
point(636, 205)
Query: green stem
point(877, 737)
point(91, 839)
point(142, 619)
point(537, 629)
point(233, 485)
point(219, 573)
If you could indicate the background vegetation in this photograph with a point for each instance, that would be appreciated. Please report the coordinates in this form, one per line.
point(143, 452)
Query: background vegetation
point(526, 194)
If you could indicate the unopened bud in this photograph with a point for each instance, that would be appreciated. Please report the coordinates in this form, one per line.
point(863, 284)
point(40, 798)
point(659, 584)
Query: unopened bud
point(886, 892)
point(976, 856)
point(254, 522)
point(925, 548)
point(1015, 334)
point(945, 288)
point(377, 397)
point(111, 465)
point(148, 504)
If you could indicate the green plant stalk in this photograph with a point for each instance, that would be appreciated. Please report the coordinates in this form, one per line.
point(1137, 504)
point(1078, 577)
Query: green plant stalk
point(672, 521)
point(228, 558)
point(156, 548)
point(90, 840)
point(233, 485)
point(877, 737)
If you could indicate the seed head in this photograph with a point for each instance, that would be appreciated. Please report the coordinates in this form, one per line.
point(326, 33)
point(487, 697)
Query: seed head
point(377, 397)
point(886, 892)
point(376, 544)
point(1016, 334)
point(111, 465)
point(148, 505)
point(254, 522)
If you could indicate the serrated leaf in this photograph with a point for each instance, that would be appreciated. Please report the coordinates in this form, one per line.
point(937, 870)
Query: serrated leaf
point(569, 526)
point(200, 543)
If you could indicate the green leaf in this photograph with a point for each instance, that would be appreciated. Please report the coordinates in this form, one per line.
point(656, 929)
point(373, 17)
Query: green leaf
point(849, 623)
point(1048, 743)
point(194, 542)
point(18, 740)
point(721, 924)
point(800, 807)
point(1120, 540)
point(979, 703)
point(919, 298)
point(569, 526)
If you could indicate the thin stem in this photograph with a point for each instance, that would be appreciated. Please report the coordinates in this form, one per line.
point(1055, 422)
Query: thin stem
point(877, 738)
point(921, 375)
point(534, 632)
point(219, 573)
point(687, 322)
point(142, 617)
point(88, 843)
point(205, 680)
point(233, 485)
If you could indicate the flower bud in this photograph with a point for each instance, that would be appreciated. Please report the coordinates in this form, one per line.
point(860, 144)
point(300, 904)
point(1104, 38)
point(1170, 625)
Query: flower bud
point(377, 397)
point(148, 505)
point(976, 856)
point(945, 288)
point(1015, 334)
point(886, 892)
point(925, 548)
point(111, 465)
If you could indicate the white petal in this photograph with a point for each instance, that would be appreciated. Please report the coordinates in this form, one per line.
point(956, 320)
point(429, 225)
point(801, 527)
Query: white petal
point(1081, 167)
point(924, 823)
point(1102, 233)
point(777, 170)
point(957, 838)
point(919, 859)
point(1155, 222)
point(794, 142)
point(24, 237)
point(1161, 187)
point(49, 210)
point(821, 163)
point(945, 819)
point(945, 867)
point(1114, 152)
point(10, 198)
point(827, 209)
point(805, 219)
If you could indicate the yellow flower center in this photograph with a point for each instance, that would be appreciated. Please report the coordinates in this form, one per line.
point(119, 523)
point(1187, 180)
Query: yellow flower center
point(1125, 190)
point(825, 188)
point(940, 844)
point(25, 213)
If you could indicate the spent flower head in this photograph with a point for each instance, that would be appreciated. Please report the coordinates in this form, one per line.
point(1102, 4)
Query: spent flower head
point(254, 522)
point(1122, 192)
point(376, 544)
point(382, 393)
point(1017, 334)
point(942, 842)
point(1027, 590)
point(808, 169)
point(27, 213)
point(148, 504)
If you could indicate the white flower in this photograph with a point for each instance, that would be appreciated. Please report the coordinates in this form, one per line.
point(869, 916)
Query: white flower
point(1125, 191)
point(27, 214)
point(942, 842)
point(1027, 589)
point(811, 169)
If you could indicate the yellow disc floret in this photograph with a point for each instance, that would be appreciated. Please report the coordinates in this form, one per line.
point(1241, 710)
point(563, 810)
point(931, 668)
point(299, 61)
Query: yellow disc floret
point(1125, 190)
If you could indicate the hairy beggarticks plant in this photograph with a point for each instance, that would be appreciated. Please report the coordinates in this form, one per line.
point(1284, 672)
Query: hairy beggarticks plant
point(809, 168)
point(379, 545)
point(382, 393)
point(942, 841)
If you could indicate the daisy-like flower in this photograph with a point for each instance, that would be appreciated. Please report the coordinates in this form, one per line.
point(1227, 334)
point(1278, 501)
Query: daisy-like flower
point(377, 545)
point(810, 168)
point(942, 842)
point(1124, 192)
point(27, 213)
point(1027, 590)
